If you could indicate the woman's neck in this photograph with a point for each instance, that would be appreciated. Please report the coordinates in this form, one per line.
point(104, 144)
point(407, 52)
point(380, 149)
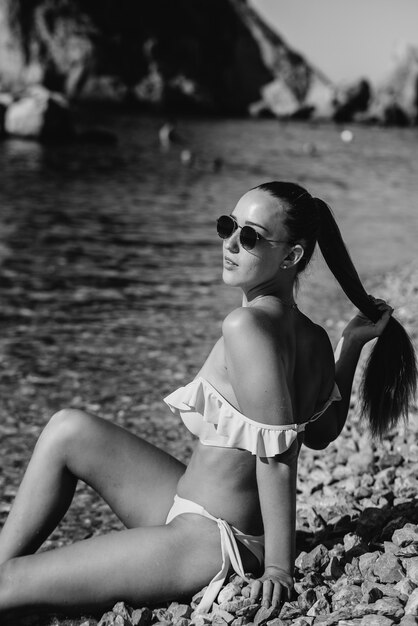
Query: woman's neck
point(283, 293)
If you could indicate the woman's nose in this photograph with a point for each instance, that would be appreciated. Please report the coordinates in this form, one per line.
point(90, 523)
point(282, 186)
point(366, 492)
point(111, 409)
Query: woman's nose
point(232, 243)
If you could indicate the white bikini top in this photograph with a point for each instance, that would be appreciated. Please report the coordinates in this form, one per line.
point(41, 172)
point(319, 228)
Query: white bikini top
point(209, 416)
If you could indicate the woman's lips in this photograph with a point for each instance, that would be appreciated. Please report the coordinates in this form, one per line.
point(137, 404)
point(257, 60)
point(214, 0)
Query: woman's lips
point(229, 263)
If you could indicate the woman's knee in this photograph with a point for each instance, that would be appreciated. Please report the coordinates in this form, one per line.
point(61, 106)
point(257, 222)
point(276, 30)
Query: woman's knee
point(65, 428)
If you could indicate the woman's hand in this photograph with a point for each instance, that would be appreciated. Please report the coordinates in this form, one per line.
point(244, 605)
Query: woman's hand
point(274, 587)
point(362, 330)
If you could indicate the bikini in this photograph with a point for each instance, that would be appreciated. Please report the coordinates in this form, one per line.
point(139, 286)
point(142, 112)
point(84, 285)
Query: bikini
point(211, 418)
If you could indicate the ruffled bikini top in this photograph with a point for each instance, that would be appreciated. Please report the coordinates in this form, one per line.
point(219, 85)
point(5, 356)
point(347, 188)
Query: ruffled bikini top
point(209, 416)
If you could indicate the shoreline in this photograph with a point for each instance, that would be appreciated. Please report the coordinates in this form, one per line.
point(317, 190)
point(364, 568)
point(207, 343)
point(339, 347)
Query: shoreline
point(357, 523)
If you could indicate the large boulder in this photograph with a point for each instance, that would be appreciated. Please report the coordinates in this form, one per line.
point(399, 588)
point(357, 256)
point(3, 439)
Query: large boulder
point(354, 100)
point(298, 89)
point(276, 97)
point(207, 55)
point(39, 114)
point(320, 97)
point(396, 99)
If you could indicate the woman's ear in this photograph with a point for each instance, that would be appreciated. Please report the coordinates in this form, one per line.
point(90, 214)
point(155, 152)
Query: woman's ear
point(293, 257)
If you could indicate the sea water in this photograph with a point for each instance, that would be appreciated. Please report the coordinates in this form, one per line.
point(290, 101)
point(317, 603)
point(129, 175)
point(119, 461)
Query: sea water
point(150, 211)
point(110, 266)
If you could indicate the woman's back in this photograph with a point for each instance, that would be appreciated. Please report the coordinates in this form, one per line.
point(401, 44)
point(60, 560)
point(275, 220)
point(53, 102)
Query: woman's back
point(223, 478)
point(304, 349)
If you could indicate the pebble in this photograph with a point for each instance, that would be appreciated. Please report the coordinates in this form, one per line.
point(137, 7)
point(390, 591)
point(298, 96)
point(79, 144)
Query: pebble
point(405, 535)
point(220, 614)
point(347, 597)
point(320, 607)
point(313, 560)
point(376, 620)
point(353, 543)
point(367, 561)
point(179, 611)
point(111, 619)
point(409, 620)
point(404, 587)
point(200, 620)
point(411, 566)
point(391, 607)
point(388, 569)
point(307, 599)
point(229, 592)
point(411, 607)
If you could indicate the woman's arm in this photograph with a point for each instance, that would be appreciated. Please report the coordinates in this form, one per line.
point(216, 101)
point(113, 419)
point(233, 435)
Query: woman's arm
point(276, 480)
point(356, 334)
point(255, 367)
point(257, 374)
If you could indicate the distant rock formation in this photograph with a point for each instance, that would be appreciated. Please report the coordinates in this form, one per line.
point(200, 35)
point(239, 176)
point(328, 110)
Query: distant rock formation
point(396, 100)
point(355, 100)
point(393, 103)
point(215, 56)
point(39, 114)
point(297, 89)
point(206, 56)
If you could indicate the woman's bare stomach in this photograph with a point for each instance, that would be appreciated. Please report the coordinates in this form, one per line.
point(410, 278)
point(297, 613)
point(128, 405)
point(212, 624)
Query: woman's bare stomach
point(223, 481)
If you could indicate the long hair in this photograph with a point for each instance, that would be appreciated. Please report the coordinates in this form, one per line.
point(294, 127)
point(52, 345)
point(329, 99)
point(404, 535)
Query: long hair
point(389, 382)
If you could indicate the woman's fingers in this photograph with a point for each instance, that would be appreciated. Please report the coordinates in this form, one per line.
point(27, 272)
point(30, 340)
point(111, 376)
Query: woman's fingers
point(380, 303)
point(267, 592)
point(386, 310)
point(270, 590)
point(277, 595)
point(255, 590)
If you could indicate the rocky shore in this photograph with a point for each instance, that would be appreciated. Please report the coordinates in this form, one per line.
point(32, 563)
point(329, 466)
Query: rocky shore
point(357, 528)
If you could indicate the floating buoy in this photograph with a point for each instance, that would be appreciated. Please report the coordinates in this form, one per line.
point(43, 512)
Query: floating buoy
point(347, 136)
point(166, 135)
point(186, 157)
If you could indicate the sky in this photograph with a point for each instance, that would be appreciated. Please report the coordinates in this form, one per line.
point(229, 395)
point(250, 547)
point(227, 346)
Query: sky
point(346, 39)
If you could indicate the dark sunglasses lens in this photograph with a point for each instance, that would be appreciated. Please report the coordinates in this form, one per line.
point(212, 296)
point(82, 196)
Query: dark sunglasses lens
point(248, 237)
point(225, 226)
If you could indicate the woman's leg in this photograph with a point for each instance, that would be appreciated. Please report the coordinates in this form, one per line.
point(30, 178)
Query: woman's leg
point(138, 565)
point(136, 479)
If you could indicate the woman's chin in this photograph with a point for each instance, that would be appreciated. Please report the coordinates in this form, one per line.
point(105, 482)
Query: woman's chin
point(230, 278)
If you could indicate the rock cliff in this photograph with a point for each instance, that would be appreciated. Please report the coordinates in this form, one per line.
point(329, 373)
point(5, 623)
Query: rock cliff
point(215, 56)
point(396, 100)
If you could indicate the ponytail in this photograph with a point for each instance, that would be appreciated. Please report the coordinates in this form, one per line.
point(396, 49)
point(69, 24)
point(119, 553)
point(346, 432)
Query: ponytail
point(390, 377)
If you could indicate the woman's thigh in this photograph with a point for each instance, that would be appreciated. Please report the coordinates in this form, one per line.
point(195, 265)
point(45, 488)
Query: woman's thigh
point(137, 479)
point(137, 565)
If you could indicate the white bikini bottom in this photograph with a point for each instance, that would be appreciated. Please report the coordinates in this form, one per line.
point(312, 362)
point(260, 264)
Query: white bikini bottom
point(230, 551)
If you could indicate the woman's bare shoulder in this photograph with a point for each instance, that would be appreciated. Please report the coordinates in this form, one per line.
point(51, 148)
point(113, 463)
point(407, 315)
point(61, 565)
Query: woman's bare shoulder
point(243, 317)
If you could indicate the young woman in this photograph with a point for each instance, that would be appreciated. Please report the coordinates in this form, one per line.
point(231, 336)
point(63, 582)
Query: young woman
point(269, 383)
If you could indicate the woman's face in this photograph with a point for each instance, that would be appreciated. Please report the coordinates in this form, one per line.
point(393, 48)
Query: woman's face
point(249, 269)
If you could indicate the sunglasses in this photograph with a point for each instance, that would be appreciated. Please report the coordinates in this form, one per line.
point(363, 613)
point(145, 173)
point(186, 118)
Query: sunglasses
point(226, 225)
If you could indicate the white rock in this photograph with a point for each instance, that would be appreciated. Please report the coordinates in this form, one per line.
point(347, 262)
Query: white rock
point(411, 607)
point(39, 113)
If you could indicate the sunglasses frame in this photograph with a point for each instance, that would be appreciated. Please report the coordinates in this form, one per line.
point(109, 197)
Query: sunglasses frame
point(246, 228)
